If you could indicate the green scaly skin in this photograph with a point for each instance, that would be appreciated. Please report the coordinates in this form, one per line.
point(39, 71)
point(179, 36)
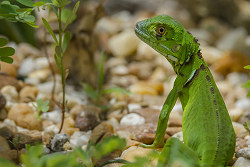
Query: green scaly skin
point(208, 133)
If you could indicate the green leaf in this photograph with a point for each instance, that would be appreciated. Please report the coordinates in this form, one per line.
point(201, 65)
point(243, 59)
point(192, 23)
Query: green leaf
point(65, 15)
point(50, 30)
point(28, 3)
point(71, 15)
point(53, 7)
point(39, 3)
point(45, 109)
point(6, 163)
point(18, 139)
point(7, 51)
point(45, 103)
point(6, 59)
point(90, 92)
point(32, 24)
point(59, 51)
point(66, 40)
point(246, 126)
point(58, 60)
point(3, 42)
point(24, 10)
point(246, 85)
point(6, 6)
point(247, 67)
point(101, 73)
point(39, 102)
point(118, 91)
point(29, 18)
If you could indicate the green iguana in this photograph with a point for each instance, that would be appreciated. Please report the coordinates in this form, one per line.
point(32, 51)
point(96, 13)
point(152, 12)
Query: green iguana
point(208, 133)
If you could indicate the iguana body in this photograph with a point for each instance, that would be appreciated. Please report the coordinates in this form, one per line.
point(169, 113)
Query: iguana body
point(208, 133)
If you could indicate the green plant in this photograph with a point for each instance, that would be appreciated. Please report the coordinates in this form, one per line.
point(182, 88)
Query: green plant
point(247, 126)
point(6, 52)
point(41, 107)
point(247, 84)
point(96, 94)
point(16, 145)
point(88, 158)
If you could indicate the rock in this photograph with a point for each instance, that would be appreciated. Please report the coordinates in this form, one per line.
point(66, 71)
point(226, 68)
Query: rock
point(26, 67)
point(12, 154)
point(133, 106)
point(4, 146)
point(210, 54)
point(58, 141)
point(235, 113)
point(10, 93)
point(158, 75)
point(3, 114)
point(71, 131)
point(55, 116)
point(244, 152)
point(46, 87)
point(142, 133)
point(9, 69)
point(73, 99)
point(51, 130)
point(41, 63)
point(2, 101)
point(202, 35)
point(146, 88)
point(100, 130)
point(239, 129)
point(28, 94)
point(150, 115)
point(118, 114)
point(134, 151)
point(76, 110)
point(240, 144)
point(236, 78)
point(240, 162)
point(24, 116)
point(29, 137)
point(132, 119)
point(78, 139)
point(123, 44)
point(231, 61)
point(243, 104)
point(67, 146)
point(69, 122)
point(142, 70)
point(8, 132)
point(119, 70)
point(41, 74)
point(233, 40)
point(8, 80)
point(179, 135)
point(145, 52)
point(28, 50)
point(115, 61)
point(86, 121)
point(123, 81)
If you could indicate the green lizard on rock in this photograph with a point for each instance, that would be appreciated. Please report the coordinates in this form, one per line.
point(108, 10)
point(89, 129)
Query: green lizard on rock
point(208, 134)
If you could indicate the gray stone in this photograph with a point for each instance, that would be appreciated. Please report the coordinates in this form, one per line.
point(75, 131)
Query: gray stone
point(58, 141)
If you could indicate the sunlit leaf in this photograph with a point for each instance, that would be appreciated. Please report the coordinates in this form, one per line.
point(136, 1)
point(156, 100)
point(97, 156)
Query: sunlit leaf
point(28, 3)
point(71, 15)
point(37, 4)
point(50, 30)
point(65, 15)
point(6, 6)
point(3, 42)
point(6, 59)
point(58, 60)
point(29, 18)
point(90, 91)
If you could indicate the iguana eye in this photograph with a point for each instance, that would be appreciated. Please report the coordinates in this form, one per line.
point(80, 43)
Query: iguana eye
point(160, 30)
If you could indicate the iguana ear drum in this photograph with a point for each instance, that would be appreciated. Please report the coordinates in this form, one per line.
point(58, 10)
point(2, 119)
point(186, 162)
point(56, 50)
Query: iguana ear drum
point(176, 47)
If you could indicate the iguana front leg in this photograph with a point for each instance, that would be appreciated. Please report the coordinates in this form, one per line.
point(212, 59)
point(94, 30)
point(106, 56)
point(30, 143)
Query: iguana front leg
point(163, 118)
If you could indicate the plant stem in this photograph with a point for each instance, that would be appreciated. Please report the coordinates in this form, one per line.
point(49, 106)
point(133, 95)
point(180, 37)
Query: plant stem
point(62, 67)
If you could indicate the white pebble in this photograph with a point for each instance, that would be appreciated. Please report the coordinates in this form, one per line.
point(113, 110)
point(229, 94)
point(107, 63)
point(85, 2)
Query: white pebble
point(8, 122)
point(41, 62)
point(51, 130)
point(47, 87)
point(26, 67)
point(10, 93)
point(132, 119)
point(242, 162)
point(78, 139)
point(243, 104)
point(55, 116)
point(179, 135)
point(133, 106)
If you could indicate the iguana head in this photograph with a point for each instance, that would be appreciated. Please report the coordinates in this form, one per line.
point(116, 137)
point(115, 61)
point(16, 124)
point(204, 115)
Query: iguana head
point(168, 37)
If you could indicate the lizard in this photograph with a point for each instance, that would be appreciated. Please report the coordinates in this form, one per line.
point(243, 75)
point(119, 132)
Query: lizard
point(208, 134)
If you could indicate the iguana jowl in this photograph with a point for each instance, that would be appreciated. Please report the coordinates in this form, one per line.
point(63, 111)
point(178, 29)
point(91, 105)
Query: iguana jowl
point(208, 134)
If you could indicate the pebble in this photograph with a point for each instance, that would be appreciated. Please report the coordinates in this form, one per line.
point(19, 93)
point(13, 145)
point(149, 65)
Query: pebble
point(239, 129)
point(12, 154)
point(244, 152)
point(150, 115)
point(115, 61)
point(210, 54)
point(10, 93)
point(236, 78)
point(243, 104)
point(143, 88)
point(8, 132)
point(28, 94)
point(51, 130)
point(3, 114)
point(132, 119)
point(55, 116)
point(27, 66)
point(2, 101)
point(9, 69)
point(29, 137)
point(41, 63)
point(145, 52)
point(73, 99)
point(8, 80)
point(124, 81)
point(133, 106)
point(235, 113)
point(78, 139)
point(124, 43)
point(58, 141)
point(4, 146)
point(28, 50)
point(242, 162)
point(24, 116)
point(46, 87)
point(86, 121)
point(179, 135)
point(40, 75)
point(100, 131)
point(119, 70)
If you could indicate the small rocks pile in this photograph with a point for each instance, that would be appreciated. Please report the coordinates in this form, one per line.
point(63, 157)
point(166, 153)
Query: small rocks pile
point(135, 66)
